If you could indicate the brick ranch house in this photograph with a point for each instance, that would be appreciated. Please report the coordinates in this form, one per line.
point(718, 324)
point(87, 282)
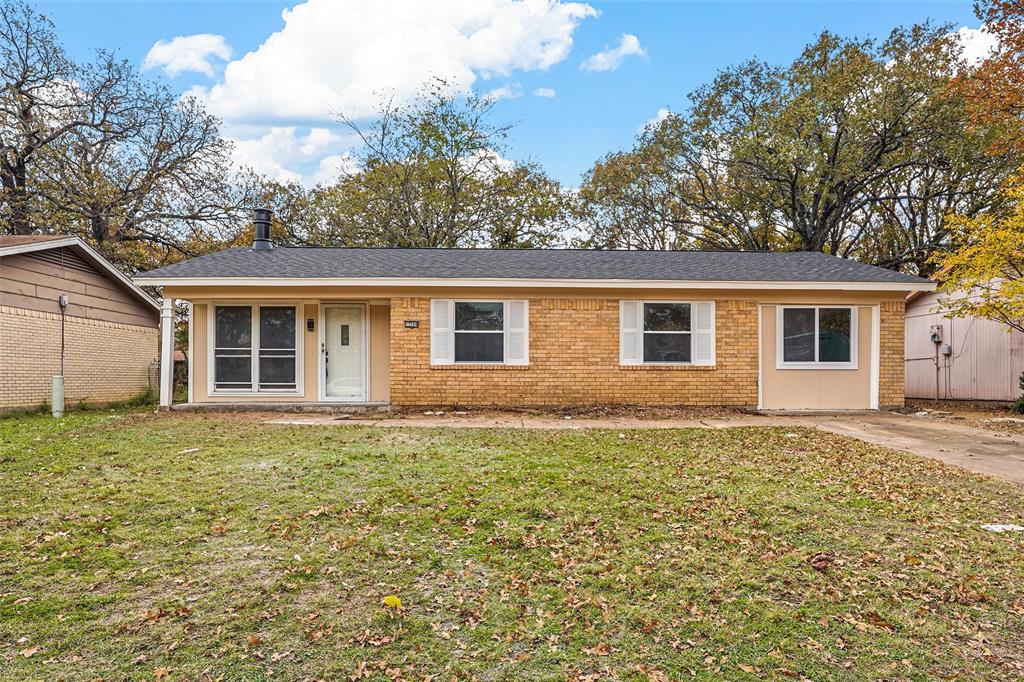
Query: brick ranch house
point(111, 327)
point(411, 327)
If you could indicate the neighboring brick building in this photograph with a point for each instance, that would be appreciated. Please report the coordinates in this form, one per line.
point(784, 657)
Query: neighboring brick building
point(539, 327)
point(111, 327)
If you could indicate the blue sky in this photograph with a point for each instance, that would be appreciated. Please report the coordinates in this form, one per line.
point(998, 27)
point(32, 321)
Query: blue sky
point(276, 102)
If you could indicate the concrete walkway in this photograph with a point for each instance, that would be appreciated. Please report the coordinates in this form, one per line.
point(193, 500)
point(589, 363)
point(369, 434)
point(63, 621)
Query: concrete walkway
point(987, 452)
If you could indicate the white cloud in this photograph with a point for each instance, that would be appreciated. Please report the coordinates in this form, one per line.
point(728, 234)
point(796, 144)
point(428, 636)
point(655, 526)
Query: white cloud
point(282, 152)
point(662, 114)
point(344, 56)
point(611, 58)
point(507, 91)
point(977, 44)
point(332, 167)
point(544, 92)
point(187, 53)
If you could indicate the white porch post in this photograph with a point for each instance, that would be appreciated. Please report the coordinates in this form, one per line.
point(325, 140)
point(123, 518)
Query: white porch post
point(166, 353)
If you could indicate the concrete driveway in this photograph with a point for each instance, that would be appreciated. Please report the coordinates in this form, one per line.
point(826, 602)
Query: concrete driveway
point(987, 452)
point(981, 450)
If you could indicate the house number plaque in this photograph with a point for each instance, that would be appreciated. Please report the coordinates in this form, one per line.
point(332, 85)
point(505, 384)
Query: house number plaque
point(412, 324)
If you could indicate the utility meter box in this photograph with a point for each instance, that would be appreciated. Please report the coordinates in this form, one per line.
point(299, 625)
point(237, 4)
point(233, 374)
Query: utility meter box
point(935, 332)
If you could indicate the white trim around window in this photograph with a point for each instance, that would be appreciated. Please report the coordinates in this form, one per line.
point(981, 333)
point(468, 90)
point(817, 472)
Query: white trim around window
point(253, 388)
point(515, 332)
point(701, 333)
point(782, 363)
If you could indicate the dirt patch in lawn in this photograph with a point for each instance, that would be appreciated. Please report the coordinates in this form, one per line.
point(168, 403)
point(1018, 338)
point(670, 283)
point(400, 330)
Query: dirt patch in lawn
point(992, 416)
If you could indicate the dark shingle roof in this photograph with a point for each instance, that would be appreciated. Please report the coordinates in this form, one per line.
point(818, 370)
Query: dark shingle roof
point(737, 266)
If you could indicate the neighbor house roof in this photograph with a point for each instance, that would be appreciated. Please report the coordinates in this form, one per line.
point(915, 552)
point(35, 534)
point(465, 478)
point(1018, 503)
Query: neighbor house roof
point(11, 245)
point(8, 240)
point(484, 267)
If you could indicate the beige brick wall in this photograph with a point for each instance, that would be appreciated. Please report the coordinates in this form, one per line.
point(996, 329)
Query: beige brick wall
point(574, 360)
point(104, 361)
point(891, 378)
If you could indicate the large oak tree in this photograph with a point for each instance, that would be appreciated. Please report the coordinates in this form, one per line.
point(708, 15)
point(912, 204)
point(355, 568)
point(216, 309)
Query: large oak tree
point(857, 148)
point(92, 149)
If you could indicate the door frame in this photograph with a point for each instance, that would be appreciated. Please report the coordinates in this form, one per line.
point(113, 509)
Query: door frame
point(322, 367)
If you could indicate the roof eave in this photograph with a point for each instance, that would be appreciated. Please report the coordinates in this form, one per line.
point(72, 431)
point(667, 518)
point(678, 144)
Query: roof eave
point(528, 283)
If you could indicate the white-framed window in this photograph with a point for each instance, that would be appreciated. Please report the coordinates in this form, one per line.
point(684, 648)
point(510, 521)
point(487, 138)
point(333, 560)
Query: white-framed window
point(816, 337)
point(255, 348)
point(667, 332)
point(475, 332)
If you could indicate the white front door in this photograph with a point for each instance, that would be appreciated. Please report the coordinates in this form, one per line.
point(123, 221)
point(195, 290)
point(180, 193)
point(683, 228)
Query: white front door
point(344, 352)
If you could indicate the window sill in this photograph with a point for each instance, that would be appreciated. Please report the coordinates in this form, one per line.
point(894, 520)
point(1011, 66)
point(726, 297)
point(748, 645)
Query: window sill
point(817, 367)
point(481, 366)
point(255, 394)
point(671, 367)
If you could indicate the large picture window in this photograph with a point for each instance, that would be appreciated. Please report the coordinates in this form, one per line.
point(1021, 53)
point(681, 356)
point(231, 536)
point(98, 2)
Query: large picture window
point(255, 348)
point(817, 337)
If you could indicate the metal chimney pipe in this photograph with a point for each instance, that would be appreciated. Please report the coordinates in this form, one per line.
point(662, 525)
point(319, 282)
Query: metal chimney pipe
point(261, 218)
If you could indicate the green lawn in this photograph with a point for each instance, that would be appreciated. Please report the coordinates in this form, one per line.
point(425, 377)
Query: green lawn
point(141, 546)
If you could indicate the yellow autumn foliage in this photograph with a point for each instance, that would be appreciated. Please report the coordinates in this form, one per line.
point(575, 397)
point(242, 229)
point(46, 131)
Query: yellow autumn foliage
point(985, 272)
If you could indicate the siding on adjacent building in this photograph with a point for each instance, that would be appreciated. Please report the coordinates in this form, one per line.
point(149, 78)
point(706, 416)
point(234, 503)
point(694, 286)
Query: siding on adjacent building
point(35, 280)
point(986, 360)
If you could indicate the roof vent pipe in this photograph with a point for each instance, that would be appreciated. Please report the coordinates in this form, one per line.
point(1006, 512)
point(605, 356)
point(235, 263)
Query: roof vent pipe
point(261, 218)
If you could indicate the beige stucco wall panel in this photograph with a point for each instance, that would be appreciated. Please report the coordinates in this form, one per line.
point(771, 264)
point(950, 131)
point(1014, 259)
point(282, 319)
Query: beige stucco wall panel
point(815, 389)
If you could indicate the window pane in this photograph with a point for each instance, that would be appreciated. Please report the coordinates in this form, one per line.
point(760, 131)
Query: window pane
point(479, 347)
point(232, 371)
point(834, 335)
point(666, 317)
point(277, 372)
point(798, 334)
point(234, 327)
point(479, 316)
point(277, 327)
point(666, 347)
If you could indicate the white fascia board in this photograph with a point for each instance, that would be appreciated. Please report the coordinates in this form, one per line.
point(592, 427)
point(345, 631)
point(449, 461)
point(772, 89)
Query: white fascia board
point(527, 283)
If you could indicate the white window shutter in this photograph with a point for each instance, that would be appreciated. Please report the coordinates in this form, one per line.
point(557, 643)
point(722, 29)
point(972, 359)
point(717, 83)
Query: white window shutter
point(631, 346)
point(517, 332)
point(703, 332)
point(442, 315)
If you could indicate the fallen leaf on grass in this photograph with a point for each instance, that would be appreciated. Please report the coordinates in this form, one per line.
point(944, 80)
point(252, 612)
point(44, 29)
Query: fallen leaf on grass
point(30, 652)
point(160, 673)
point(876, 619)
point(821, 561)
point(392, 602)
point(254, 640)
point(360, 672)
point(153, 615)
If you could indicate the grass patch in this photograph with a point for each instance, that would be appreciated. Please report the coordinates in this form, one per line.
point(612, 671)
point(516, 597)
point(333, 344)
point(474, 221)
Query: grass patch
point(135, 546)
